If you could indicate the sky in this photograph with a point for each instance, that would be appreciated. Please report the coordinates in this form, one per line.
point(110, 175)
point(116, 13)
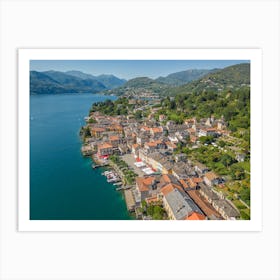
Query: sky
point(128, 69)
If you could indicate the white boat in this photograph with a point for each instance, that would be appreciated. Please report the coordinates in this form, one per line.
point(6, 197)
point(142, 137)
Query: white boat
point(112, 180)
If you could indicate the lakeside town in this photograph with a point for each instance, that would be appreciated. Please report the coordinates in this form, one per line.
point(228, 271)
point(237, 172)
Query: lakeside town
point(156, 161)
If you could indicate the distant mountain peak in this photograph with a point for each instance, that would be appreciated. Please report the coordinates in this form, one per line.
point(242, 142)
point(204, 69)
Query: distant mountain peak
point(183, 77)
point(52, 81)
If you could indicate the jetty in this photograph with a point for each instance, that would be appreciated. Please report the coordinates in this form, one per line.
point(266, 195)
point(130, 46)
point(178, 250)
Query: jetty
point(94, 166)
point(123, 188)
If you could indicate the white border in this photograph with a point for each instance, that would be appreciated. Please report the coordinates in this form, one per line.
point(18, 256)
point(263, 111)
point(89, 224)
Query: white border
point(24, 57)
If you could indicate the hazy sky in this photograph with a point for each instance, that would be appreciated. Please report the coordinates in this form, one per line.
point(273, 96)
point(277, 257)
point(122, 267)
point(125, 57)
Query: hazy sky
point(128, 69)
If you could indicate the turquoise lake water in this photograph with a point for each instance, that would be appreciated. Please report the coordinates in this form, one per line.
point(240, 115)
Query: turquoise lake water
point(63, 186)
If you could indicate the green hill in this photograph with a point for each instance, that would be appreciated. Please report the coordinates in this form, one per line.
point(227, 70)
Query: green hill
point(232, 77)
point(183, 77)
point(55, 82)
point(139, 85)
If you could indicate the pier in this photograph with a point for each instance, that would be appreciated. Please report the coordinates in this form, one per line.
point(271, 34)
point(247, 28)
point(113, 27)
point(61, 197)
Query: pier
point(123, 188)
point(94, 166)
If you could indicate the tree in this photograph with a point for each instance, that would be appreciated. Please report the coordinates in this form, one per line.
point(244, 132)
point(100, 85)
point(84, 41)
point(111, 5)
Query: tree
point(227, 160)
point(237, 172)
point(222, 143)
point(245, 195)
point(138, 114)
point(206, 139)
point(87, 132)
point(92, 121)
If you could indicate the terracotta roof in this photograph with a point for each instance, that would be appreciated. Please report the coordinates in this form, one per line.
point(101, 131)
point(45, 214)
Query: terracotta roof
point(195, 216)
point(191, 130)
point(145, 128)
point(170, 144)
point(191, 183)
point(211, 176)
point(211, 129)
point(101, 129)
point(151, 199)
point(197, 179)
point(115, 127)
point(166, 178)
point(151, 144)
point(135, 146)
point(143, 183)
point(114, 137)
point(105, 146)
point(203, 204)
point(184, 184)
point(156, 129)
point(167, 189)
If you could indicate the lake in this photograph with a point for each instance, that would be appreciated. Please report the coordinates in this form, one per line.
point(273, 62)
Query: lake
point(63, 186)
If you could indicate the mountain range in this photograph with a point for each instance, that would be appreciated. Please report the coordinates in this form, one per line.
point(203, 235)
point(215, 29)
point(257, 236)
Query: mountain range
point(228, 78)
point(192, 80)
point(55, 82)
point(183, 77)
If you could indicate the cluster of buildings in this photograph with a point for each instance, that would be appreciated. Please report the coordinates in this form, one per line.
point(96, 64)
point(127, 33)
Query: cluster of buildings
point(185, 189)
point(190, 196)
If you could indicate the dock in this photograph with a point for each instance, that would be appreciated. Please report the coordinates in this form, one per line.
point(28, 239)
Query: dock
point(98, 165)
point(130, 202)
point(123, 188)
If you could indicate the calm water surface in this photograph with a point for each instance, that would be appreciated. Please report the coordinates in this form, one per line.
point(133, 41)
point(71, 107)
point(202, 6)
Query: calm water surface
point(63, 186)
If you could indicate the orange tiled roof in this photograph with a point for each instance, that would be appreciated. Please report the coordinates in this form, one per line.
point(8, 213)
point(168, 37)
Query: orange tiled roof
point(167, 189)
point(211, 129)
point(197, 179)
point(145, 128)
point(135, 146)
point(211, 176)
point(100, 129)
point(203, 204)
point(183, 182)
point(151, 144)
point(165, 178)
point(158, 141)
point(170, 144)
point(195, 216)
point(114, 137)
point(191, 183)
point(191, 130)
point(115, 127)
point(104, 146)
point(151, 199)
point(144, 183)
point(156, 129)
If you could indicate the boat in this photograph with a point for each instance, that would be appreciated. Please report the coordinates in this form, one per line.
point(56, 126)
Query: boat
point(112, 180)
